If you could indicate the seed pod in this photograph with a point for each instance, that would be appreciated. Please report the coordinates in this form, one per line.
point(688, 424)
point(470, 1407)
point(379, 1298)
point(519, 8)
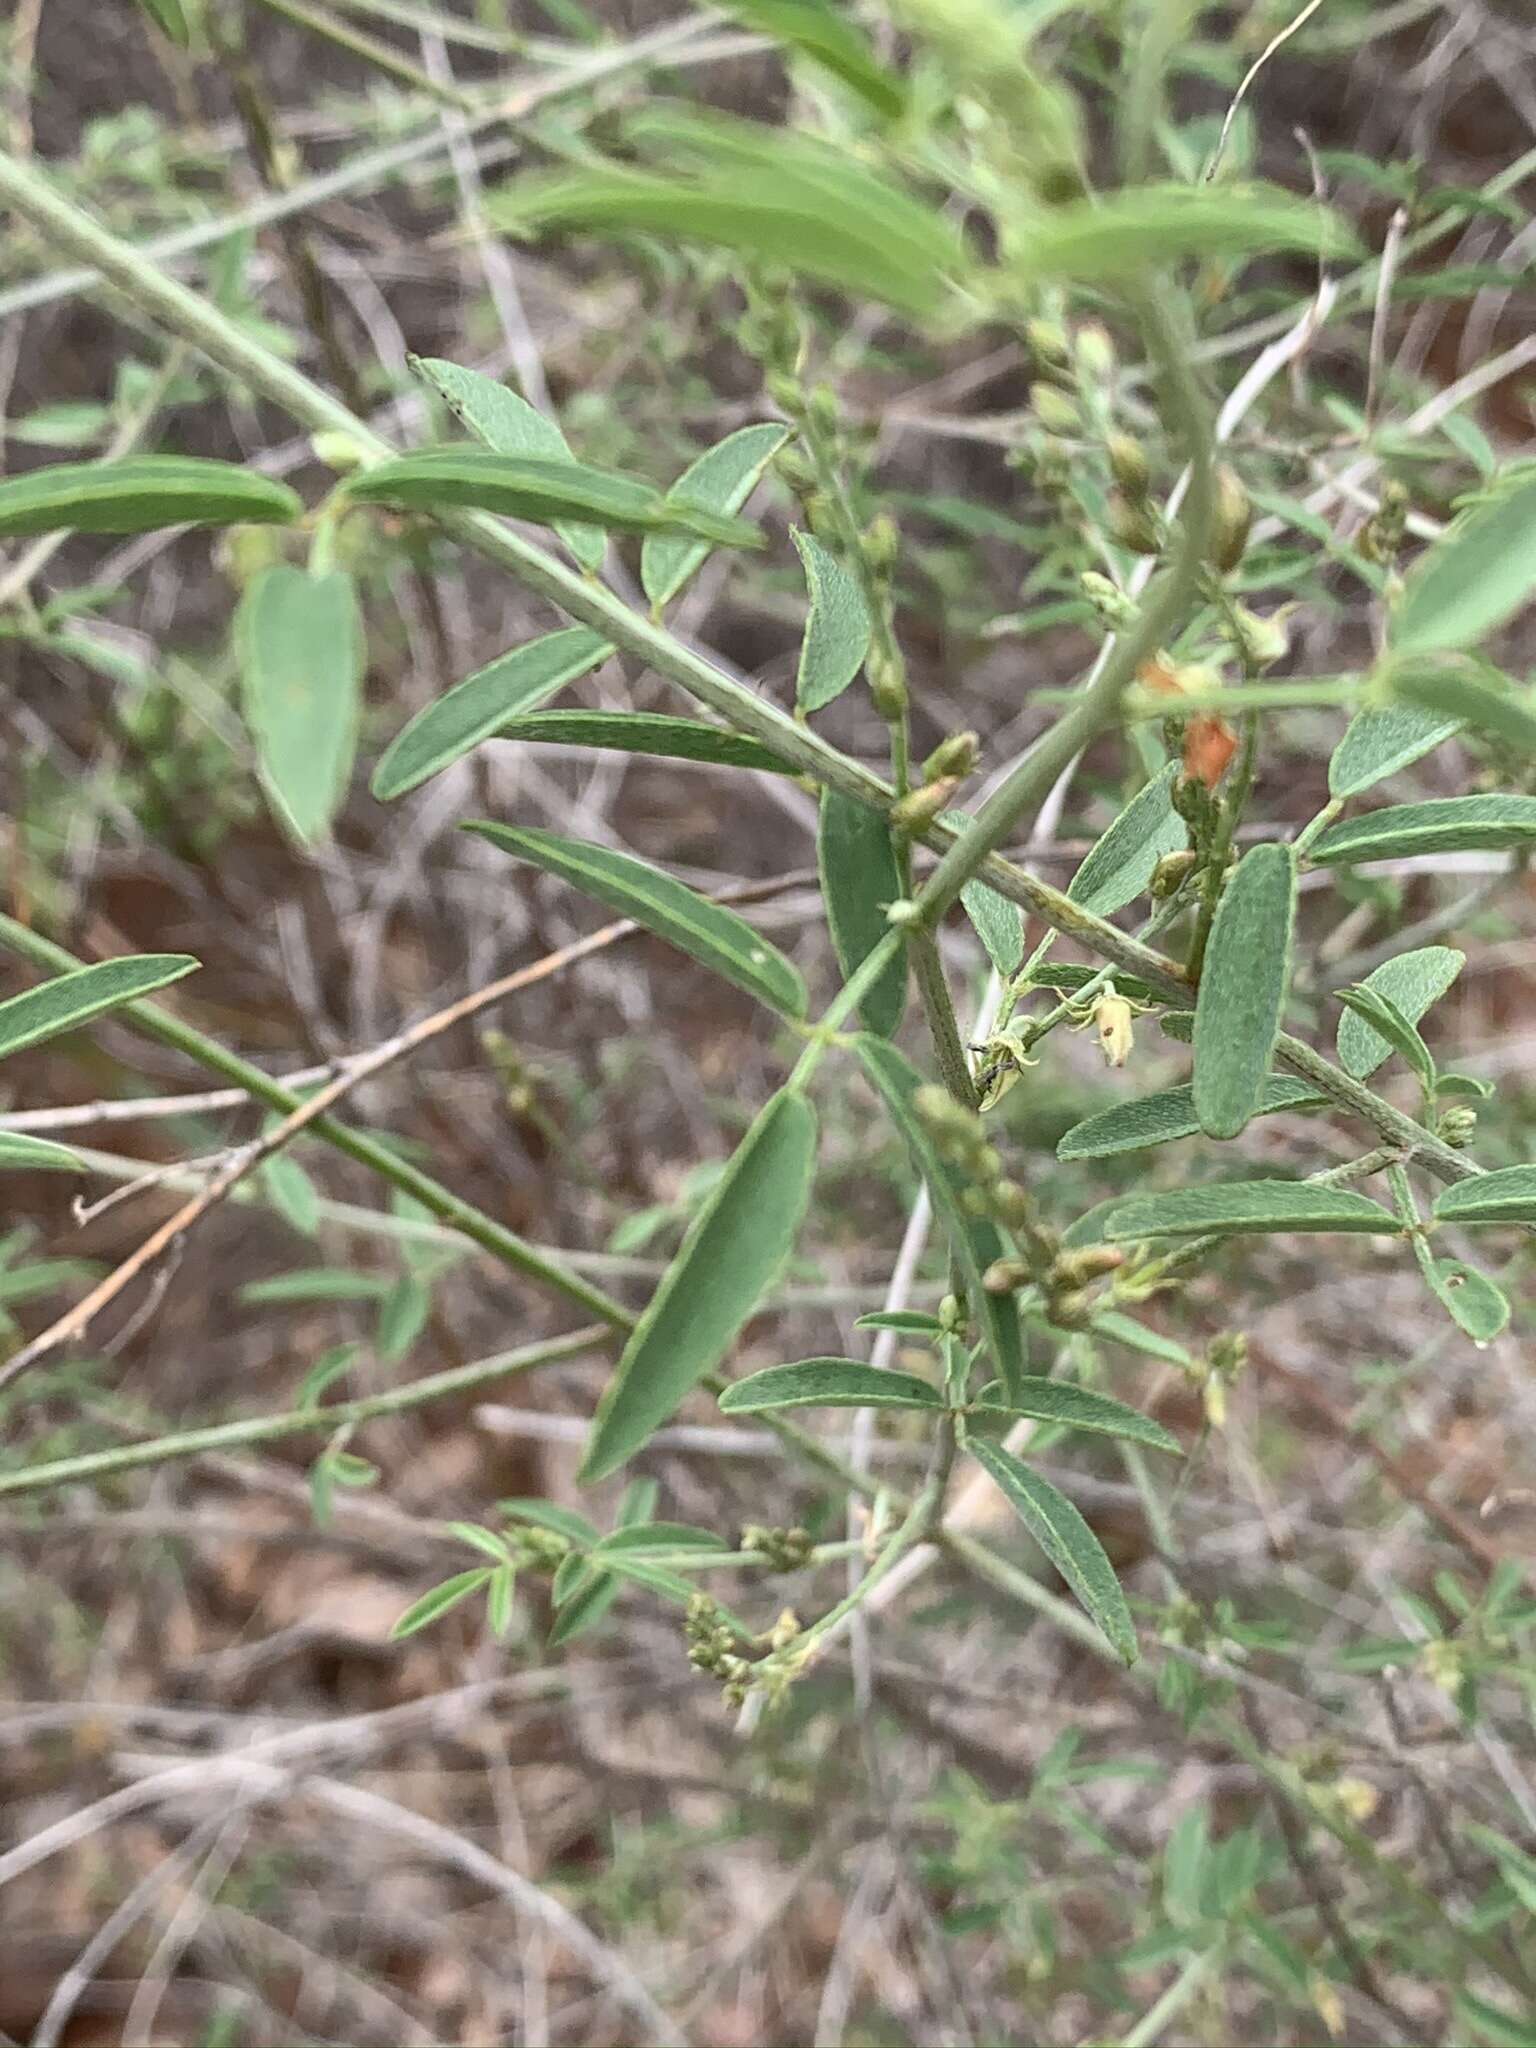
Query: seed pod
point(1112, 1016)
point(1128, 465)
point(1232, 520)
point(1133, 525)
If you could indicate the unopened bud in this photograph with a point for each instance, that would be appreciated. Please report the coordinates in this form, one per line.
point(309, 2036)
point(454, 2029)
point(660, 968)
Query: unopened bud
point(1133, 525)
point(337, 450)
point(887, 684)
point(918, 810)
point(955, 756)
point(1071, 1311)
point(1005, 1276)
point(903, 913)
point(1011, 1204)
point(881, 543)
point(1048, 344)
point(823, 409)
point(1260, 642)
point(1095, 353)
point(1056, 412)
point(1232, 519)
point(1128, 465)
point(787, 392)
point(1092, 1262)
point(1458, 1126)
point(796, 469)
point(1171, 873)
point(1109, 600)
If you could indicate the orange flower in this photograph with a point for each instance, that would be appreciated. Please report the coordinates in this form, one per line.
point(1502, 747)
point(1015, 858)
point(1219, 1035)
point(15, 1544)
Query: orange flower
point(1209, 744)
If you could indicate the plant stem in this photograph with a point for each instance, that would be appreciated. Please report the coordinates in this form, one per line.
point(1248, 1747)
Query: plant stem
point(1160, 616)
point(30, 195)
point(448, 1207)
point(1221, 846)
point(262, 1429)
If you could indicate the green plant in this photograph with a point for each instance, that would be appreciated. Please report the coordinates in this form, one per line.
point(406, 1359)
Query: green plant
point(959, 190)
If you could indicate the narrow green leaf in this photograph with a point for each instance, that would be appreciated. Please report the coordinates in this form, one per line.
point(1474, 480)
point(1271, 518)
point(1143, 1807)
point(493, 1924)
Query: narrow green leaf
point(644, 1539)
point(1508, 713)
point(765, 192)
point(73, 999)
point(1448, 824)
point(538, 489)
point(829, 39)
point(547, 1514)
point(300, 645)
point(1242, 989)
point(170, 17)
point(402, 1317)
point(438, 1601)
point(1380, 740)
point(998, 923)
point(1170, 1114)
point(1120, 1329)
point(1046, 1400)
point(486, 1541)
point(1413, 982)
point(1507, 1195)
point(586, 1606)
point(975, 1241)
point(1479, 572)
point(1149, 226)
point(292, 1193)
point(837, 631)
point(1381, 1016)
point(443, 731)
point(1119, 866)
point(315, 1283)
point(909, 1321)
point(828, 1383)
point(721, 481)
point(1476, 1305)
point(140, 493)
point(1234, 1207)
point(1067, 1541)
point(733, 1251)
point(708, 932)
point(859, 881)
point(508, 425)
point(21, 1153)
point(644, 732)
point(499, 1608)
